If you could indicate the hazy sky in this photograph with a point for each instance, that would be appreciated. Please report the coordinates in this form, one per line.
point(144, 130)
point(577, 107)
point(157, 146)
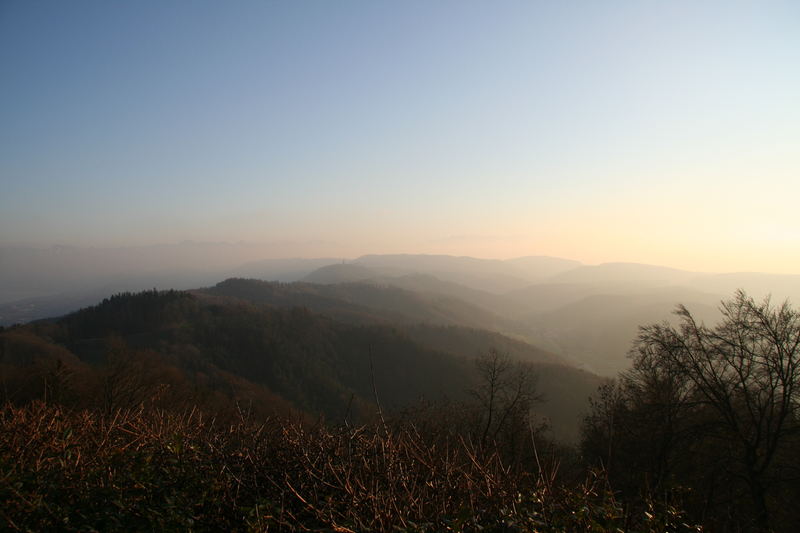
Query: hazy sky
point(659, 132)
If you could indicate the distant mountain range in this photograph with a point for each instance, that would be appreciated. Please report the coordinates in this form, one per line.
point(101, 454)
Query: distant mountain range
point(585, 314)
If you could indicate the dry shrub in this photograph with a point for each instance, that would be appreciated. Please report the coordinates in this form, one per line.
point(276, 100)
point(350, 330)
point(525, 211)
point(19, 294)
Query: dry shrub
point(137, 470)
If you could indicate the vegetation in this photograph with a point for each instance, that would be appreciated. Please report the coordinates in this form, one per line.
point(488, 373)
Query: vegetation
point(151, 470)
point(711, 412)
point(194, 349)
point(185, 411)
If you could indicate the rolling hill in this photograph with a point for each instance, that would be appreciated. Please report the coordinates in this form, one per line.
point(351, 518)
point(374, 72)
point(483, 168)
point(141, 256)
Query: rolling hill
point(222, 348)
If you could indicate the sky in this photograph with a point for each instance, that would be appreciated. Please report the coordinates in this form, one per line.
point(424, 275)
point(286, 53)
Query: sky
point(651, 132)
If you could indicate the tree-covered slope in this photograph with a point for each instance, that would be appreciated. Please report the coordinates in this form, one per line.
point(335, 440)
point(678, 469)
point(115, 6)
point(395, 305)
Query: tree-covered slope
point(223, 350)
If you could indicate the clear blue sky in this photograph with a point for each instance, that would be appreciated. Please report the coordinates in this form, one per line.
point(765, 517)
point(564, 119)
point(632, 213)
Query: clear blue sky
point(664, 132)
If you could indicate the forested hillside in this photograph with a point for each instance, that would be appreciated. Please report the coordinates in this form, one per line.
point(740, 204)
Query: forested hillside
point(363, 302)
point(325, 411)
point(585, 314)
point(224, 349)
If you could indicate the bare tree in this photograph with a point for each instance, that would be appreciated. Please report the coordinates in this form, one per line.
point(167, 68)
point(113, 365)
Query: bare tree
point(744, 372)
point(505, 393)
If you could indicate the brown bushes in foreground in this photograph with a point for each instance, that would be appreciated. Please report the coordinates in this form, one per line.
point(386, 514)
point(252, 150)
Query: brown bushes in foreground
point(155, 471)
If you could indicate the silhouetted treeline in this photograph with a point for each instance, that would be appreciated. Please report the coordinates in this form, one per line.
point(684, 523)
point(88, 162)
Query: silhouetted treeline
point(709, 415)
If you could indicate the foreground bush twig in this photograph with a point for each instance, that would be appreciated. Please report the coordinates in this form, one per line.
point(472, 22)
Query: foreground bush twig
point(152, 470)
